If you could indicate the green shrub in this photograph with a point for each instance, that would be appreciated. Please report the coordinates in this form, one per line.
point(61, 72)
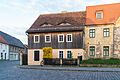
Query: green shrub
point(111, 61)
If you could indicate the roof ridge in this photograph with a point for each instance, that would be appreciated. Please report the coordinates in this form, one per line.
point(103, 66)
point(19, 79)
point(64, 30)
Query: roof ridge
point(61, 13)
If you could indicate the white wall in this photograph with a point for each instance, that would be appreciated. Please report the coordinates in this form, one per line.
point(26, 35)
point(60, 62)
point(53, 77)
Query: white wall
point(4, 48)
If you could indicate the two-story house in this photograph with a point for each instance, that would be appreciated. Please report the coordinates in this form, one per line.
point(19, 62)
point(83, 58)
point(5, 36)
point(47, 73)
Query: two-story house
point(10, 47)
point(64, 32)
point(101, 31)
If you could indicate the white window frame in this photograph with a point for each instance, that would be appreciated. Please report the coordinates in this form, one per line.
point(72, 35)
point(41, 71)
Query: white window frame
point(47, 41)
point(59, 38)
point(67, 38)
point(99, 12)
point(59, 53)
point(38, 39)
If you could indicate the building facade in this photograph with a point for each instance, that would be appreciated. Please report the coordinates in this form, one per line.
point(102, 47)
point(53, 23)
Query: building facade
point(101, 31)
point(10, 47)
point(63, 32)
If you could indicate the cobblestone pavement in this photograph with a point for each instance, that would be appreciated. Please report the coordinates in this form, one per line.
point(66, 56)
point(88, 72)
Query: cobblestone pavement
point(9, 71)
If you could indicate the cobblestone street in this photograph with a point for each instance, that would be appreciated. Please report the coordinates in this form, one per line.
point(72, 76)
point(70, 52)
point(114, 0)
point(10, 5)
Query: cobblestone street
point(10, 71)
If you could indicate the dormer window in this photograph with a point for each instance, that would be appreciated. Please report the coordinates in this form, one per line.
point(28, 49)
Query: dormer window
point(99, 15)
point(46, 24)
point(64, 23)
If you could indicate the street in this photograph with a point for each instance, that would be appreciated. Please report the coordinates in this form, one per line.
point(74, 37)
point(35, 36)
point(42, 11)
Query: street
point(10, 71)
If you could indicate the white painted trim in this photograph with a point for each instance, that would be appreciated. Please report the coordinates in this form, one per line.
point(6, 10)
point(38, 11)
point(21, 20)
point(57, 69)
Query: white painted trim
point(67, 38)
point(63, 53)
point(50, 38)
point(38, 39)
point(60, 35)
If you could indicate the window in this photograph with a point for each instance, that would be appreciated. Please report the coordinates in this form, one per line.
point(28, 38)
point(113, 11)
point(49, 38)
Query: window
point(99, 15)
point(69, 38)
point(36, 55)
point(69, 54)
point(92, 33)
point(60, 54)
point(47, 38)
point(106, 32)
point(106, 50)
point(92, 50)
point(1, 55)
point(36, 38)
point(61, 38)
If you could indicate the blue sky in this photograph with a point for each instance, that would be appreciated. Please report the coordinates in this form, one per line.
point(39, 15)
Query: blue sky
point(16, 16)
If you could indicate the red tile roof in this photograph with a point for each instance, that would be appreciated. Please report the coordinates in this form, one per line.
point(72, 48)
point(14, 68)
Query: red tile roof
point(111, 12)
point(2, 40)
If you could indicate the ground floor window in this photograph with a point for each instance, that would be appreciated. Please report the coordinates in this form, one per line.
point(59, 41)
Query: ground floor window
point(69, 54)
point(36, 55)
point(106, 50)
point(92, 50)
point(60, 54)
point(1, 55)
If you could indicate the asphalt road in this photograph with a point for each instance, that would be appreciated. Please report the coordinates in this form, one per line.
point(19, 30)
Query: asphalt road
point(10, 71)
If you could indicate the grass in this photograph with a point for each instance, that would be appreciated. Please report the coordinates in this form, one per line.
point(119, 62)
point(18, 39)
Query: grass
point(111, 61)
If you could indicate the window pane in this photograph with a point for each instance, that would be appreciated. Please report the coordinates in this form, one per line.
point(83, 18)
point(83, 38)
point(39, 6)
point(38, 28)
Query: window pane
point(92, 50)
point(106, 50)
point(36, 55)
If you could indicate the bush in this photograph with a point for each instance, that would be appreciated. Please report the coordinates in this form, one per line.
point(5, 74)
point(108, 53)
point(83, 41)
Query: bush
point(111, 61)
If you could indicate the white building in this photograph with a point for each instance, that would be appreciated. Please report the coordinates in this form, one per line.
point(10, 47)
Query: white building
point(9, 47)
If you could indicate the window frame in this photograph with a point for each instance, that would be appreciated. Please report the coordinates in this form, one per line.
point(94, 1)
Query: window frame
point(59, 37)
point(49, 39)
point(38, 38)
point(38, 57)
point(59, 54)
point(93, 50)
point(92, 31)
point(100, 16)
point(69, 54)
point(67, 38)
point(104, 54)
point(106, 32)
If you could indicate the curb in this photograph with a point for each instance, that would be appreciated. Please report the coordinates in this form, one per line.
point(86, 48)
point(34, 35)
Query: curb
point(65, 69)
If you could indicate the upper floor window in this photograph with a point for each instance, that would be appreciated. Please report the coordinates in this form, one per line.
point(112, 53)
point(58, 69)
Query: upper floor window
point(99, 15)
point(36, 39)
point(47, 38)
point(106, 50)
point(92, 50)
point(69, 38)
point(61, 38)
point(92, 33)
point(106, 32)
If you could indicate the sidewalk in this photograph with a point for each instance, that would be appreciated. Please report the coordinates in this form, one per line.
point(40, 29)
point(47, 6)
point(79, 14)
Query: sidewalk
point(90, 69)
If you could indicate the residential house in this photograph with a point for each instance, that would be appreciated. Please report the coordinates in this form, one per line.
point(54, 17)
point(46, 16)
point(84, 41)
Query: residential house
point(9, 47)
point(64, 32)
point(102, 36)
point(3, 49)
